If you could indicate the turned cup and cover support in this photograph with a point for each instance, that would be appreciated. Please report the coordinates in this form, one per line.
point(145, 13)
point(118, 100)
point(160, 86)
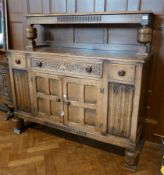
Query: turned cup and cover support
point(31, 35)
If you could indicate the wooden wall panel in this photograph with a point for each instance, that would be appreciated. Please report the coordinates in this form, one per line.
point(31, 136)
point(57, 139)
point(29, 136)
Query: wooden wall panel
point(71, 6)
point(133, 5)
point(35, 6)
point(99, 5)
point(57, 6)
point(17, 9)
point(155, 98)
point(122, 36)
point(14, 6)
point(116, 5)
point(85, 5)
point(16, 35)
point(61, 34)
point(156, 6)
point(89, 35)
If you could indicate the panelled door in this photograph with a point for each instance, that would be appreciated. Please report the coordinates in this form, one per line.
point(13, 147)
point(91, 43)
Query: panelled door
point(74, 102)
point(47, 96)
point(82, 103)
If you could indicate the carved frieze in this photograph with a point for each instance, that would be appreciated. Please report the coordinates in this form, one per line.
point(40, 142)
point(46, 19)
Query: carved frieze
point(89, 69)
point(66, 128)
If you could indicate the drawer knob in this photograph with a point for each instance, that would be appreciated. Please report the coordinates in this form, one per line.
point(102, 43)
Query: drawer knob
point(121, 73)
point(18, 61)
point(39, 64)
point(58, 100)
point(89, 69)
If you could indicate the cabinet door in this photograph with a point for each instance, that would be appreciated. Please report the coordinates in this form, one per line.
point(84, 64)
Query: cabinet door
point(5, 89)
point(120, 100)
point(47, 96)
point(82, 103)
point(21, 90)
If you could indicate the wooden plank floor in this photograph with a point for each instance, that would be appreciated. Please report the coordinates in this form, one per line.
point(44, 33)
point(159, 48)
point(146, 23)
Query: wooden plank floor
point(38, 152)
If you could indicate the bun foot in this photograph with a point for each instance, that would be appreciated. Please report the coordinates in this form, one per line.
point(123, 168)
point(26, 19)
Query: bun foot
point(18, 125)
point(131, 160)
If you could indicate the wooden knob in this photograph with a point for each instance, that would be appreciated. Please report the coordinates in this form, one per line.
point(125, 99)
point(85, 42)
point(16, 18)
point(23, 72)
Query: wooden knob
point(39, 64)
point(89, 69)
point(121, 73)
point(18, 61)
point(58, 100)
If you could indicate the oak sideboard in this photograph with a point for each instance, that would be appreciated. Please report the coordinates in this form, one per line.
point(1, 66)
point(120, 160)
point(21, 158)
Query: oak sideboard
point(94, 93)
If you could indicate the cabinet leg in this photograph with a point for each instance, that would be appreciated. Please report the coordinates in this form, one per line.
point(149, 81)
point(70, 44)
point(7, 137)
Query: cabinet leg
point(131, 159)
point(10, 113)
point(18, 125)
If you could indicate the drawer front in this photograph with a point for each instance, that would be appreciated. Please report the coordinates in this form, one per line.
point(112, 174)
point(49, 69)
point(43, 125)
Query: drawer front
point(123, 73)
point(72, 67)
point(19, 61)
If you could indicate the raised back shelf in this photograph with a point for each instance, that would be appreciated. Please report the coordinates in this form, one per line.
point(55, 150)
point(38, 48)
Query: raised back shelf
point(143, 18)
point(139, 23)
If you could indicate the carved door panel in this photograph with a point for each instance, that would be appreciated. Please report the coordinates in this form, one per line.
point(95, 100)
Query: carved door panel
point(5, 86)
point(120, 101)
point(22, 95)
point(5, 95)
point(81, 104)
point(47, 96)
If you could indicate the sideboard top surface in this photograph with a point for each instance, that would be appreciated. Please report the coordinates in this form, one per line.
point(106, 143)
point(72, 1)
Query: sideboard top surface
point(93, 55)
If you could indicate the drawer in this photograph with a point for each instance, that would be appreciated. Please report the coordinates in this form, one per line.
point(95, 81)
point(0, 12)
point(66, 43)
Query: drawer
point(69, 67)
point(18, 61)
point(123, 73)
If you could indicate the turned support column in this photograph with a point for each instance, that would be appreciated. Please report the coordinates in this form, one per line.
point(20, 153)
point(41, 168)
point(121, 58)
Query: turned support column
point(145, 38)
point(18, 125)
point(31, 35)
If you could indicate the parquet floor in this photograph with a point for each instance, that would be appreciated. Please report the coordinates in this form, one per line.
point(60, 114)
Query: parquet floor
point(41, 152)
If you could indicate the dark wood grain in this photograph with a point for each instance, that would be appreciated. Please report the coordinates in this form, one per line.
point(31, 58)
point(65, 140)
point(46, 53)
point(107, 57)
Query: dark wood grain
point(23, 98)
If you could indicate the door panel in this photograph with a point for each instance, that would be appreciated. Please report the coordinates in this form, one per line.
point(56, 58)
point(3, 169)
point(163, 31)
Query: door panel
point(89, 116)
point(75, 114)
point(22, 90)
point(74, 91)
point(120, 109)
point(43, 106)
point(80, 103)
point(89, 94)
point(41, 84)
point(54, 87)
point(47, 95)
